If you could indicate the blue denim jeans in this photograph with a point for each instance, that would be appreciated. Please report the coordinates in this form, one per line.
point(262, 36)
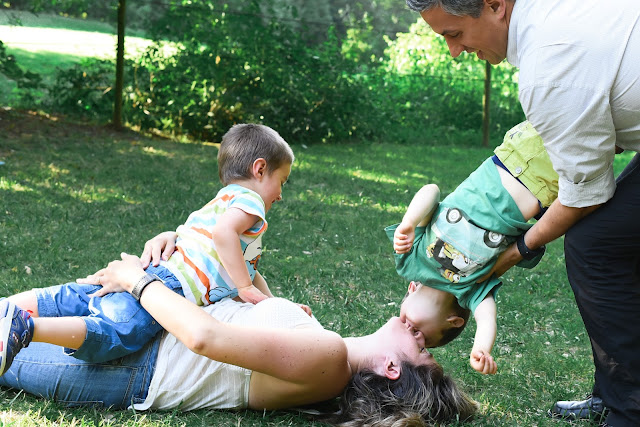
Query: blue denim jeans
point(45, 371)
point(117, 325)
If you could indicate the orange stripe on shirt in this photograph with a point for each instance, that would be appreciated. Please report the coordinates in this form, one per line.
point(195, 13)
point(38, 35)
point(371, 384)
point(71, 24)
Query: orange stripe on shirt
point(261, 230)
point(203, 277)
point(224, 198)
point(203, 232)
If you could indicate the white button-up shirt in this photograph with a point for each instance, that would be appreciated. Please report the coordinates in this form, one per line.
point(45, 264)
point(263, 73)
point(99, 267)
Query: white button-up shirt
point(579, 83)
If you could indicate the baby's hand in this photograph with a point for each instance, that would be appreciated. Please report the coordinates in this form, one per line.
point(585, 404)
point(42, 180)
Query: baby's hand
point(403, 238)
point(482, 362)
point(251, 294)
point(306, 308)
point(158, 248)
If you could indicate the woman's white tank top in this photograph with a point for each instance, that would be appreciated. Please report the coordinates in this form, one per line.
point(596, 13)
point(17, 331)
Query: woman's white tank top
point(185, 380)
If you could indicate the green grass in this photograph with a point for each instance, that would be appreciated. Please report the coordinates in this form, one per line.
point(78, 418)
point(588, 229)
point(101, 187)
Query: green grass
point(75, 196)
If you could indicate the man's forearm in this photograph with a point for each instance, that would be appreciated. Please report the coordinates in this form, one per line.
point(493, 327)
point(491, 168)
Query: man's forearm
point(554, 223)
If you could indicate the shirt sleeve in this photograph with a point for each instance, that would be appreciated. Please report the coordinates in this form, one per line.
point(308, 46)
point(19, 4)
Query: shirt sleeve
point(575, 121)
point(252, 204)
point(579, 138)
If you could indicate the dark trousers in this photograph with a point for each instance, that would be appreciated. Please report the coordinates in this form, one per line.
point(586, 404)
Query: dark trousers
point(602, 254)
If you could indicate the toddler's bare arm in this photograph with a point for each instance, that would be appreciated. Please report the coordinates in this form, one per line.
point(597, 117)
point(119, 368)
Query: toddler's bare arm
point(480, 358)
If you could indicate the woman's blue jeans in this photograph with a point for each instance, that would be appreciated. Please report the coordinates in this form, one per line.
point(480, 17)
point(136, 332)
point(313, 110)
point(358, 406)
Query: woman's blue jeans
point(117, 325)
point(44, 370)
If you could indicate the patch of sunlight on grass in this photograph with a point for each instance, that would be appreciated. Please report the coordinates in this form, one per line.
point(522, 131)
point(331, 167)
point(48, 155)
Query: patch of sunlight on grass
point(419, 176)
point(13, 186)
point(101, 194)
point(372, 176)
point(69, 42)
point(390, 208)
point(157, 152)
point(56, 171)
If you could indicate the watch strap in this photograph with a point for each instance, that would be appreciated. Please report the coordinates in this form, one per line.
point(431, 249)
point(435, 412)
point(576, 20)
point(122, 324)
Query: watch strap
point(136, 292)
point(525, 252)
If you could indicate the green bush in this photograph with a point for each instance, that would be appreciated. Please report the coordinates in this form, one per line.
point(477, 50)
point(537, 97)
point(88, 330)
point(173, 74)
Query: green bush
point(84, 90)
point(429, 88)
point(28, 85)
point(221, 75)
point(214, 69)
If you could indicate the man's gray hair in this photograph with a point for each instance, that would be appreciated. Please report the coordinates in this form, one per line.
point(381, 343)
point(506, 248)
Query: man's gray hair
point(471, 8)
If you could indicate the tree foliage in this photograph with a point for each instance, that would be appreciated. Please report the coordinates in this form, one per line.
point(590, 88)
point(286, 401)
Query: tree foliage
point(215, 63)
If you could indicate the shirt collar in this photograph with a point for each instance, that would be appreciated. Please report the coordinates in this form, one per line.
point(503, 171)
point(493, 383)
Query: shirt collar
point(512, 42)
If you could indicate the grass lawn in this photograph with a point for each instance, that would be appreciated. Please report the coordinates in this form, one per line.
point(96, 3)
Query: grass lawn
point(74, 196)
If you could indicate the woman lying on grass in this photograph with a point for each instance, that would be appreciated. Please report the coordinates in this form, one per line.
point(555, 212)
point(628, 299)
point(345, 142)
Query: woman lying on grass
point(270, 355)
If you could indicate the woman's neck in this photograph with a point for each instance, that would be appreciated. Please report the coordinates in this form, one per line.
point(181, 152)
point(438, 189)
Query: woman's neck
point(360, 352)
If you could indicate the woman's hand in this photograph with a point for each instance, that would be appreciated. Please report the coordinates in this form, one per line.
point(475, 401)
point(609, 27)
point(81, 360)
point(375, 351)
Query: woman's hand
point(119, 276)
point(123, 274)
point(158, 248)
point(97, 278)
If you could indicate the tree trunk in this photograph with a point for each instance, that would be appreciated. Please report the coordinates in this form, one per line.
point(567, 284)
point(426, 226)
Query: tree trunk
point(117, 103)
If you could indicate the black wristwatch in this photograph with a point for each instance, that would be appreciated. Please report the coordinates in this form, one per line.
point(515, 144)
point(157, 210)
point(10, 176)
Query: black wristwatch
point(136, 292)
point(525, 252)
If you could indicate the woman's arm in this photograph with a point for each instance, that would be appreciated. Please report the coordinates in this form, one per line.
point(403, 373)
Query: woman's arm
point(485, 315)
point(314, 358)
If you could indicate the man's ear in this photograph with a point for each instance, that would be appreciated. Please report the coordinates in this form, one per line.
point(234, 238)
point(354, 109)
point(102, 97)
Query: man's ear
point(392, 368)
point(497, 6)
point(455, 321)
point(259, 168)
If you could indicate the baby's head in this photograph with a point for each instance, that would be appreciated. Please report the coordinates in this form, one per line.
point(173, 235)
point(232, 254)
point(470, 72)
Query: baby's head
point(434, 313)
point(243, 144)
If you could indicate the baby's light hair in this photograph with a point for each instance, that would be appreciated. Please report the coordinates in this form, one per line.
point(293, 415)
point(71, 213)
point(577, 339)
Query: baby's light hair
point(243, 144)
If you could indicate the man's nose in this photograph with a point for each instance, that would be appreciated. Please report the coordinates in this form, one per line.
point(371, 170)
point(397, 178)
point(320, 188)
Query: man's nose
point(455, 49)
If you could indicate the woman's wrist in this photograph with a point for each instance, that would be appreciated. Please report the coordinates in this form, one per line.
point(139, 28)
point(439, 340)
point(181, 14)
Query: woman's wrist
point(142, 283)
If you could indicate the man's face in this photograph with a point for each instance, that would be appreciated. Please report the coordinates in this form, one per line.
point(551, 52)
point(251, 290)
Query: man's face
point(485, 35)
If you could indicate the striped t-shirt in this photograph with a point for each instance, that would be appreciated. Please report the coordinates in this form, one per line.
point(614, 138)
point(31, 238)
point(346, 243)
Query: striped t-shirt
point(196, 262)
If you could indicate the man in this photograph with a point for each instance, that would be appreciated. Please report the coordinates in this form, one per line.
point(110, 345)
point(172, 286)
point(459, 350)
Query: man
point(580, 88)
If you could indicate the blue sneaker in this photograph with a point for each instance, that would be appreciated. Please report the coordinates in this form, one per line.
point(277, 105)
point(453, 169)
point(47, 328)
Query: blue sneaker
point(16, 332)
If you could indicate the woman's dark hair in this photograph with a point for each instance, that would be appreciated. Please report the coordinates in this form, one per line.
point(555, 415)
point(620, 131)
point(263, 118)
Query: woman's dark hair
point(422, 395)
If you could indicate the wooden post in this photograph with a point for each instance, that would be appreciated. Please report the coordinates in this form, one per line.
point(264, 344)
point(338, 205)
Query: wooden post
point(486, 104)
point(117, 102)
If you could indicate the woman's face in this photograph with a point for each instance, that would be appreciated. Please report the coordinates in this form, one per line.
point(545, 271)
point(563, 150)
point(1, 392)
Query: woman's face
point(401, 337)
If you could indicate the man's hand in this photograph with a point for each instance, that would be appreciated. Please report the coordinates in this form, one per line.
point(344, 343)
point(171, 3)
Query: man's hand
point(251, 294)
point(482, 362)
point(505, 261)
point(158, 248)
point(553, 224)
point(403, 238)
